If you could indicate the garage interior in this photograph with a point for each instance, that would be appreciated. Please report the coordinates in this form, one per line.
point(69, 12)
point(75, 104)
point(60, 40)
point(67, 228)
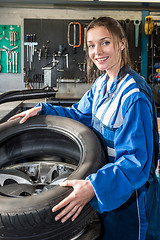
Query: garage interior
point(42, 53)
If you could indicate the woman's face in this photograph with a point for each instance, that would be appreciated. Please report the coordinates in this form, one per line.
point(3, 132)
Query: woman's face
point(102, 50)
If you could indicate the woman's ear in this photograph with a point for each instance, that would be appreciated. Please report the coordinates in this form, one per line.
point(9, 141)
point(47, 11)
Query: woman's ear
point(122, 44)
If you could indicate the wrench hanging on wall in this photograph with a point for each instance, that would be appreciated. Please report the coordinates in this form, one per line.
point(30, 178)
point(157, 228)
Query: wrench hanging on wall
point(127, 27)
point(136, 24)
point(76, 27)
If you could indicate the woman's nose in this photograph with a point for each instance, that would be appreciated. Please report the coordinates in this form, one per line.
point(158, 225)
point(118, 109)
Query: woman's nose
point(98, 49)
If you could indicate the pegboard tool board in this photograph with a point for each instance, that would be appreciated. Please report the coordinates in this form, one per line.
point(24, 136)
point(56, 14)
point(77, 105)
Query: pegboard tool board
point(10, 48)
point(51, 40)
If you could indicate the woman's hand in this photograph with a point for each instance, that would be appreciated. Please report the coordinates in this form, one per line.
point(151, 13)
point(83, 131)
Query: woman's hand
point(82, 193)
point(26, 114)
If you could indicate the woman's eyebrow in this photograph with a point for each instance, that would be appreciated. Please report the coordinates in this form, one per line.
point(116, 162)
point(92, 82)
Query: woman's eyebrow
point(101, 39)
point(104, 38)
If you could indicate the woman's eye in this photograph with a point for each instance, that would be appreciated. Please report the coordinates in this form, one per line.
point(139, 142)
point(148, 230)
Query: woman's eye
point(106, 43)
point(91, 46)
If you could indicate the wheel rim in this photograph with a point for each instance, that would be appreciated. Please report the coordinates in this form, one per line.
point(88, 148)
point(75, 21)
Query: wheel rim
point(31, 178)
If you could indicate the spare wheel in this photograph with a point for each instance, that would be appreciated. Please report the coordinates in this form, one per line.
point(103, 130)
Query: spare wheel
point(34, 158)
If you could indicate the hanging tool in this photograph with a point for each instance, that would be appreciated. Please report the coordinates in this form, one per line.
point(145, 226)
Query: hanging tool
point(76, 25)
point(84, 44)
point(10, 66)
point(7, 59)
point(34, 37)
point(0, 60)
point(45, 51)
point(16, 61)
point(11, 37)
point(1, 50)
point(10, 50)
point(136, 24)
point(30, 43)
point(4, 36)
point(66, 57)
point(13, 61)
point(39, 54)
point(122, 22)
point(14, 38)
point(127, 24)
point(149, 25)
point(27, 39)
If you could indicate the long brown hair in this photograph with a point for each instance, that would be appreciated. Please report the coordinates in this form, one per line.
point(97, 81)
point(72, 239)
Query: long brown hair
point(118, 33)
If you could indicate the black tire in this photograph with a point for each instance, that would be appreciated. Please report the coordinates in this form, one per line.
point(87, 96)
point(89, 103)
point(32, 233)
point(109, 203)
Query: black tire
point(31, 217)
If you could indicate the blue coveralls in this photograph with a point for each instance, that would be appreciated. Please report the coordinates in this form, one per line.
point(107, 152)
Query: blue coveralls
point(125, 120)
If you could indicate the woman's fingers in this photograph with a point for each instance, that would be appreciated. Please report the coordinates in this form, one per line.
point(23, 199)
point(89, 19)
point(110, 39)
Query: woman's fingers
point(16, 116)
point(26, 114)
point(24, 119)
point(22, 115)
point(71, 210)
point(67, 203)
point(66, 213)
point(77, 213)
point(74, 212)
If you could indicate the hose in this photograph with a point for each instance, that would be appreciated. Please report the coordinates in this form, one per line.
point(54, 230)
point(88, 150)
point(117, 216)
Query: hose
point(20, 95)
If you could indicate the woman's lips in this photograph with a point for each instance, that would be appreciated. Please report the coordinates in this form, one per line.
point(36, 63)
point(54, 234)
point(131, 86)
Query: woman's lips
point(101, 60)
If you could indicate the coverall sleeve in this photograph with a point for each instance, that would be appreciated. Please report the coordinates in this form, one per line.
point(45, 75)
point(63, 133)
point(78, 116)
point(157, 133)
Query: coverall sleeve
point(115, 182)
point(81, 111)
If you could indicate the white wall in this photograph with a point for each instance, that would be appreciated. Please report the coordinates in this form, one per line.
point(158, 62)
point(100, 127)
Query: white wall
point(15, 16)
